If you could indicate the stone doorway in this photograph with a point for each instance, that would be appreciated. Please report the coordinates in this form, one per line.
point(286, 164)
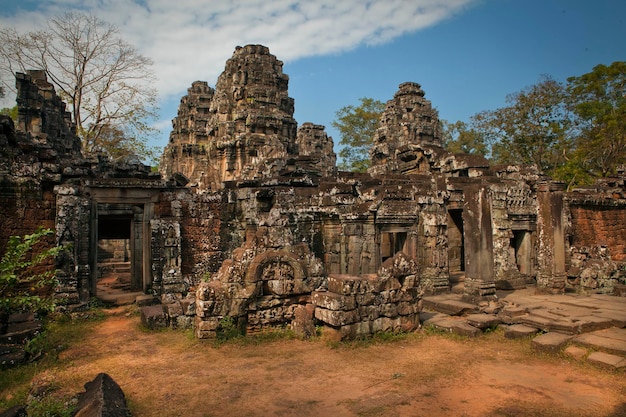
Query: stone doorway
point(391, 242)
point(456, 245)
point(521, 242)
point(118, 269)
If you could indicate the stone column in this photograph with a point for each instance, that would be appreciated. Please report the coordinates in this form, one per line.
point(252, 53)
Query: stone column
point(551, 238)
point(479, 270)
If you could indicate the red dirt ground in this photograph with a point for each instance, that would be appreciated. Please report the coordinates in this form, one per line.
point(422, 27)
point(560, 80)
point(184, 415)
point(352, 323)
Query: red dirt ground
point(171, 374)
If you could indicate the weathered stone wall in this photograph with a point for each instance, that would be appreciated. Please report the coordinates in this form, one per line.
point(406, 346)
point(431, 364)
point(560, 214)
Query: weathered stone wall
point(362, 305)
point(600, 226)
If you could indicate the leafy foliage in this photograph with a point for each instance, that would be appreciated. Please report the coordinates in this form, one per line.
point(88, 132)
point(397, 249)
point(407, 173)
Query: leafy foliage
point(106, 82)
point(598, 99)
point(460, 137)
point(532, 129)
point(22, 286)
point(11, 112)
point(357, 126)
point(574, 132)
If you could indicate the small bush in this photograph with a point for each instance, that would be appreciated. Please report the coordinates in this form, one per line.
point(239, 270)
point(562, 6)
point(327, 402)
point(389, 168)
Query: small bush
point(23, 287)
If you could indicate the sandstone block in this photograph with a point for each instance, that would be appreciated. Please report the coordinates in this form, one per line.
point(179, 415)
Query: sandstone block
point(519, 331)
point(102, 397)
point(336, 318)
point(607, 360)
point(302, 323)
point(153, 317)
point(333, 301)
point(483, 321)
point(550, 342)
point(345, 284)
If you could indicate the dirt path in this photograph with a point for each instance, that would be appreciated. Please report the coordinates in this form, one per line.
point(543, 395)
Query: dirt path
point(170, 374)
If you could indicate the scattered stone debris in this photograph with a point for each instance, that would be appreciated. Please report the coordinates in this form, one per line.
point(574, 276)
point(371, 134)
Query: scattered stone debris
point(15, 332)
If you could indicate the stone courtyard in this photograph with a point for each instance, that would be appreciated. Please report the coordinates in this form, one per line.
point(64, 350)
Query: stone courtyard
point(249, 219)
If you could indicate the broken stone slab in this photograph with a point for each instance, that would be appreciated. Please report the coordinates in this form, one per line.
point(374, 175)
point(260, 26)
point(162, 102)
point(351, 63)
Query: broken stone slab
point(618, 318)
point(153, 317)
point(609, 340)
point(512, 314)
point(550, 342)
point(449, 306)
point(11, 357)
point(103, 397)
point(519, 331)
point(548, 325)
point(457, 326)
point(588, 324)
point(17, 333)
point(483, 321)
point(607, 360)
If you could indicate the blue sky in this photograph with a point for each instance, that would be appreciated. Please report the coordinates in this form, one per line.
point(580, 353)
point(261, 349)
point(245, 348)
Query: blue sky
point(467, 54)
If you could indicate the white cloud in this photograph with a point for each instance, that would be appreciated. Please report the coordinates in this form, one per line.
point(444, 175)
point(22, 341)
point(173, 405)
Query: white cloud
point(191, 39)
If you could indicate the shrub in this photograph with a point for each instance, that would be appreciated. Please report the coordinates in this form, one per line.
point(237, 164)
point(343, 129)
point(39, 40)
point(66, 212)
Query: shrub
point(25, 283)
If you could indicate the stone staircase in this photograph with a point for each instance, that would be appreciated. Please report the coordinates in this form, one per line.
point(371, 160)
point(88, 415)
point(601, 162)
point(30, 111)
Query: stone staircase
point(587, 327)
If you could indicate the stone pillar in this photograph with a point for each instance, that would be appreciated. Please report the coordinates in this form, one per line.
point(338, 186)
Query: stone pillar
point(479, 270)
point(73, 231)
point(551, 245)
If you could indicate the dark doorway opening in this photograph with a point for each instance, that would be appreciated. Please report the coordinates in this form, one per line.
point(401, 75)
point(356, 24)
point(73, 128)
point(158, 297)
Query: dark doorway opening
point(115, 259)
point(391, 243)
point(522, 246)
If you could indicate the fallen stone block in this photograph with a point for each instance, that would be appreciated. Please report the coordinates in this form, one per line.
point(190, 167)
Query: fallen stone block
point(512, 314)
point(102, 398)
point(302, 323)
point(607, 360)
point(550, 342)
point(456, 326)
point(483, 321)
point(519, 331)
point(153, 317)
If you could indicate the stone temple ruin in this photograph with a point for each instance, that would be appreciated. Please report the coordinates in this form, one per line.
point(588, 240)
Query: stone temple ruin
point(249, 218)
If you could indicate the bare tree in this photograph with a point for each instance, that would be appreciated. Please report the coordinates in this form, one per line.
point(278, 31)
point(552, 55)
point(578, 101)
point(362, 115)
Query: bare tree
point(105, 80)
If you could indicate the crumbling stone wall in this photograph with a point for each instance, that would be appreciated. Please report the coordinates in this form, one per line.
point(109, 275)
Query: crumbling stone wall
point(597, 251)
point(362, 305)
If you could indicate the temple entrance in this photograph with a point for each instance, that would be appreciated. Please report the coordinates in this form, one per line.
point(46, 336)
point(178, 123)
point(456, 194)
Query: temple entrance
point(119, 252)
point(114, 254)
point(521, 242)
point(456, 245)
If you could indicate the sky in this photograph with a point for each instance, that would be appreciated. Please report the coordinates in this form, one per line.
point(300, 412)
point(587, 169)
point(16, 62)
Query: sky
point(468, 55)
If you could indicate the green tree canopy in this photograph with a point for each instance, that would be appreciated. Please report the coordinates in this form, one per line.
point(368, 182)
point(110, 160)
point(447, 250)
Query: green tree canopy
point(105, 81)
point(11, 112)
point(598, 99)
point(461, 137)
point(532, 129)
point(357, 125)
